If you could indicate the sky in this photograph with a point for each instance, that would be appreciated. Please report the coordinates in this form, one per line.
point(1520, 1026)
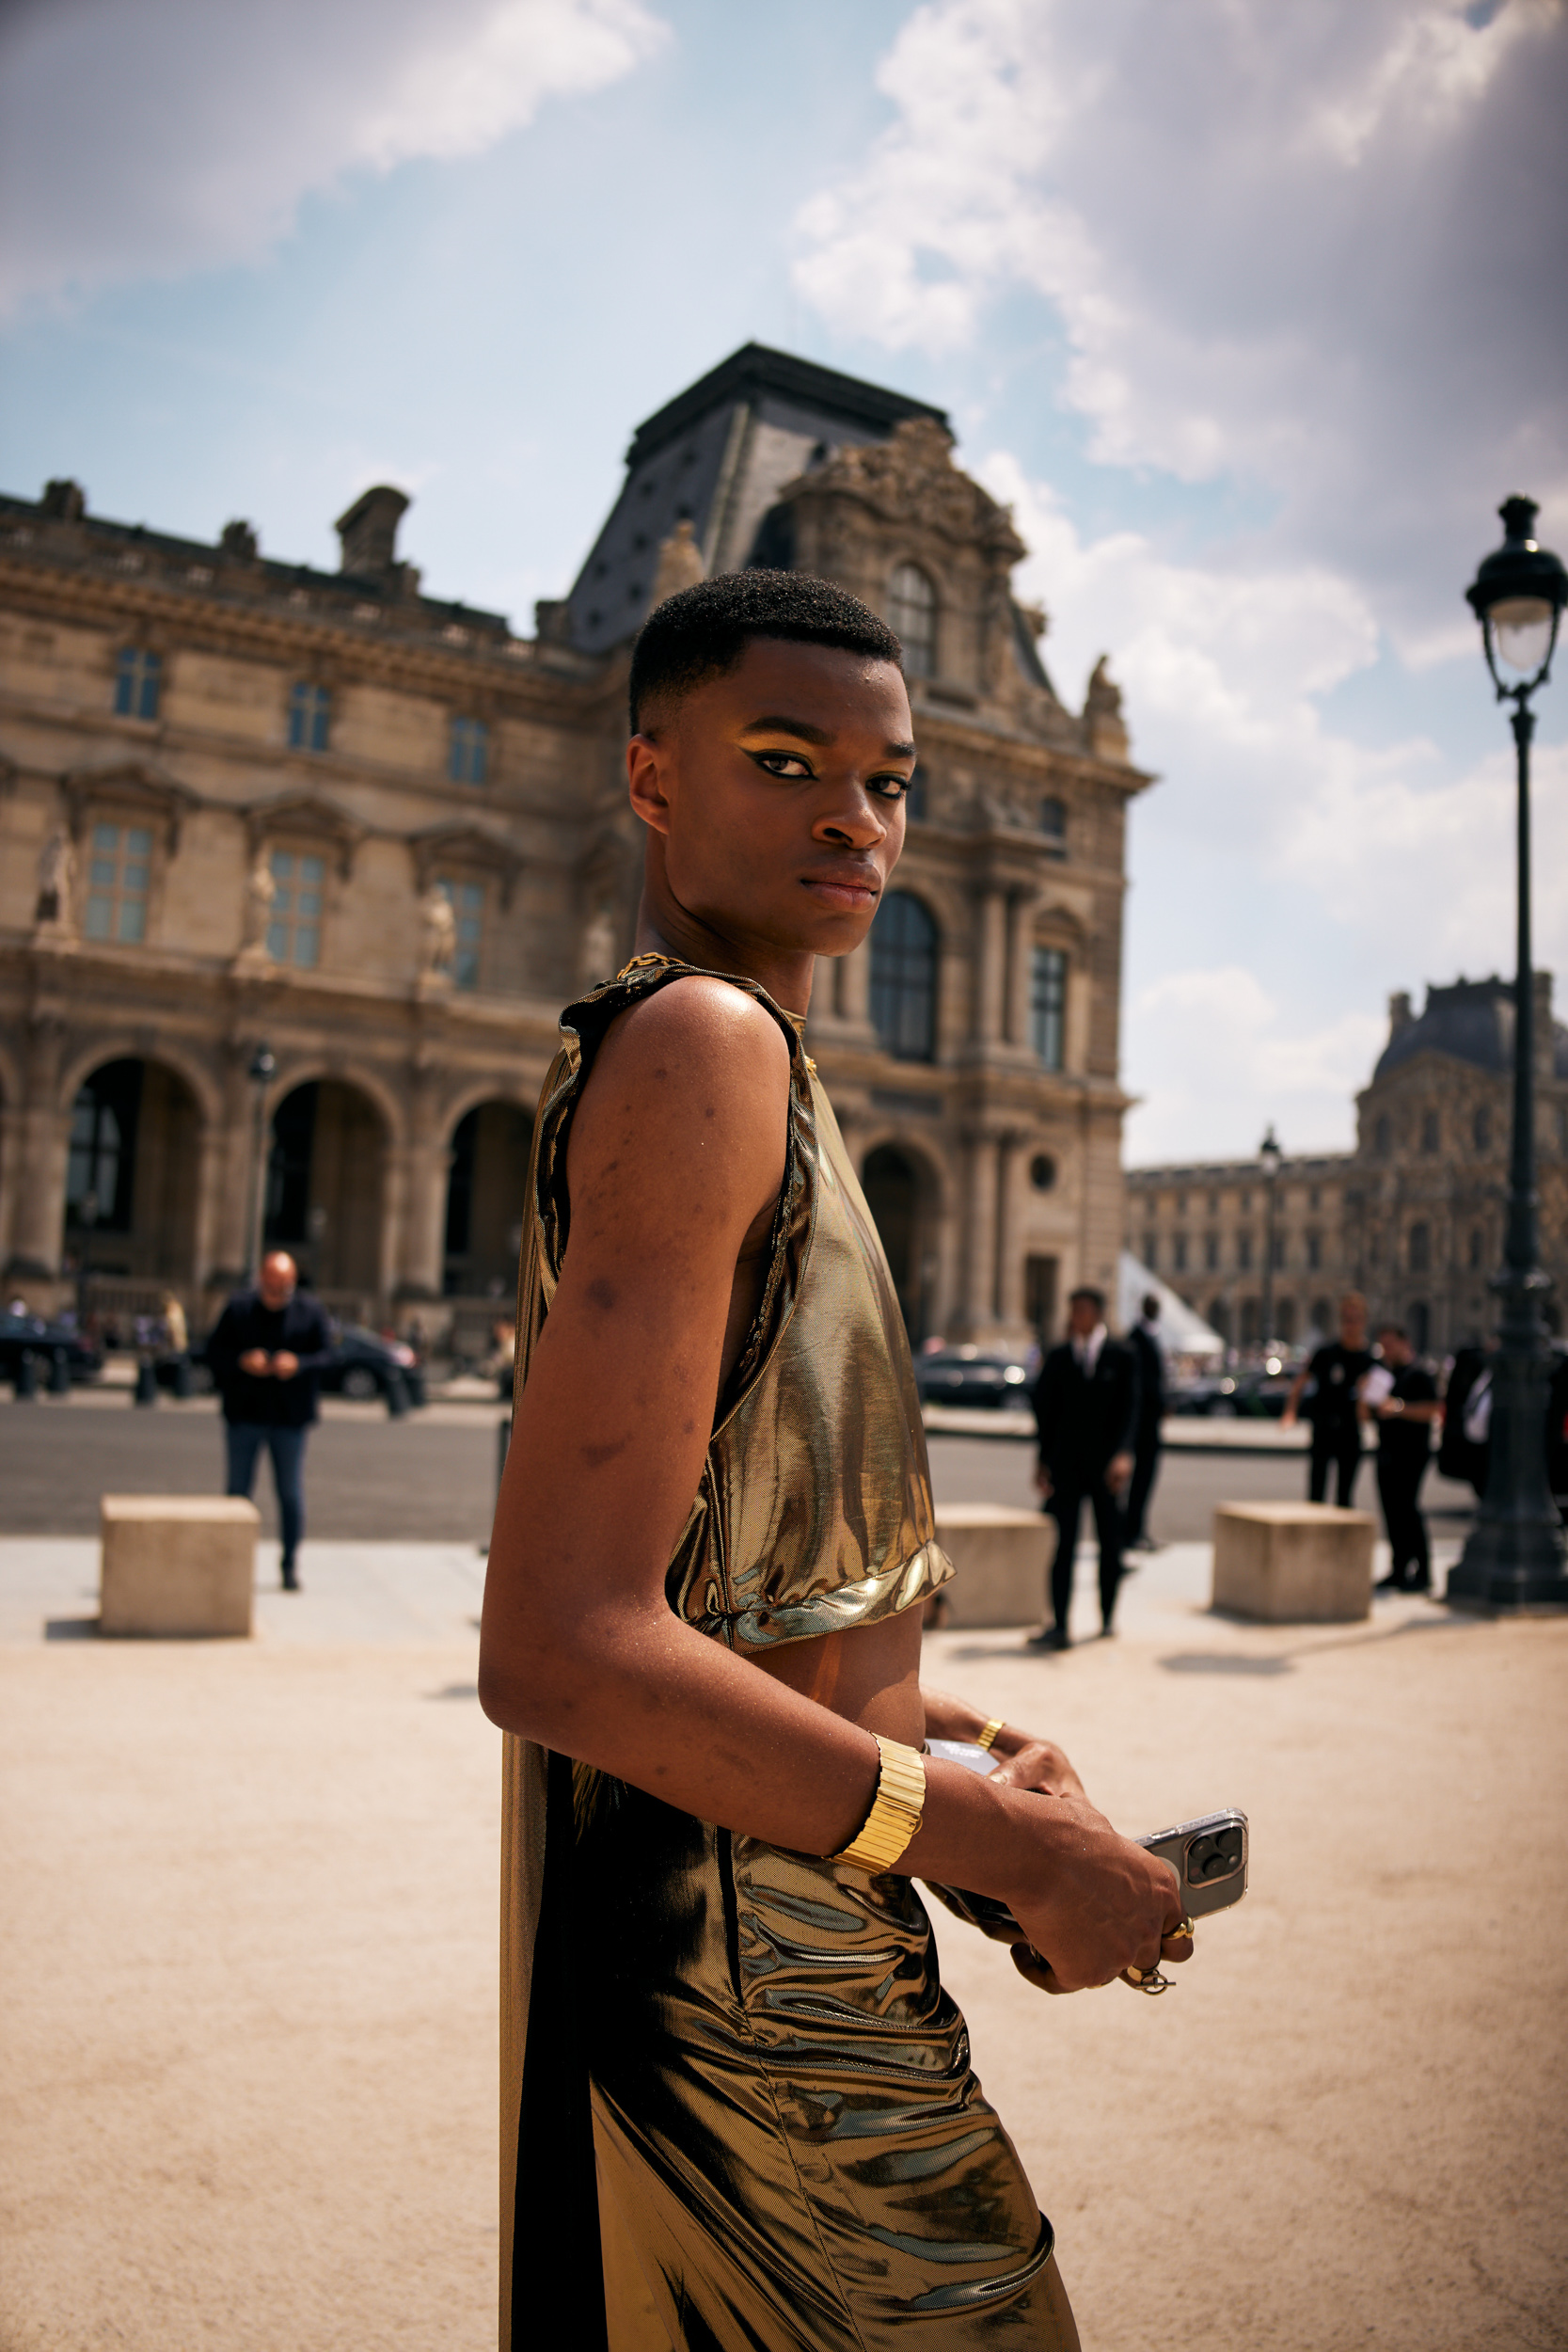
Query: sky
point(1254, 313)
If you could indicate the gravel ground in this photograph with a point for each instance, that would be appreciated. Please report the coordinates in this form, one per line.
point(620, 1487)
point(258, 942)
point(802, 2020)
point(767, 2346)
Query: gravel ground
point(249, 1941)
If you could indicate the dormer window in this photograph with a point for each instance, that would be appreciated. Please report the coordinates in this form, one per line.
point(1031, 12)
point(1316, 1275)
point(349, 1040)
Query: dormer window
point(913, 617)
point(468, 751)
point(309, 716)
point(138, 680)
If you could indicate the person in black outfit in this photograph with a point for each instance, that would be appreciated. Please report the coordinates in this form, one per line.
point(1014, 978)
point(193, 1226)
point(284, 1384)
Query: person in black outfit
point(1143, 1339)
point(1086, 1412)
point(1331, 1384)
point(1404, 1414)
point(266, 1355)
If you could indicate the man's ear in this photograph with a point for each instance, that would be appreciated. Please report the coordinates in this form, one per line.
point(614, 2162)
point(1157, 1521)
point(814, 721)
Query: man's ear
point(650, 759)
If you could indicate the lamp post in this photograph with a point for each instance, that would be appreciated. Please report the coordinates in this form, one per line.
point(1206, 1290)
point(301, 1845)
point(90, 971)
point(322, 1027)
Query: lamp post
point(262, 1064)
point(1514, 1557)
point(1269, 1155)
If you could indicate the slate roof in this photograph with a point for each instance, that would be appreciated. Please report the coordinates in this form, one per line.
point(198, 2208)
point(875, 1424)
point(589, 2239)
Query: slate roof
point(1472, 1021)
point(718, 456)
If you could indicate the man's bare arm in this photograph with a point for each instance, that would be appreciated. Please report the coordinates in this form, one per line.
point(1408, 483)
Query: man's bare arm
point(676, 1154)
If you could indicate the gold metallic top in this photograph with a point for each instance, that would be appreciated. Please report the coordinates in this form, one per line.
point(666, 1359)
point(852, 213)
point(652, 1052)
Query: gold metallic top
point(814, 1512)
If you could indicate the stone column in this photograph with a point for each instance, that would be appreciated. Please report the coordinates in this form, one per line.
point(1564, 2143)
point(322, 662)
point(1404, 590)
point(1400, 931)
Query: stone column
point(211, 1172)
point(421, 1242)
point(854, 995)
point(43, 1131)
point(1007, 1285)
point(990, 964)
point(977, 1271)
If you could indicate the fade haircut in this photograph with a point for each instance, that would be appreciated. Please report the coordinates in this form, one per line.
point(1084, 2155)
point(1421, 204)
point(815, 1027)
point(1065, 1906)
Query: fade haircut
point(704, 632)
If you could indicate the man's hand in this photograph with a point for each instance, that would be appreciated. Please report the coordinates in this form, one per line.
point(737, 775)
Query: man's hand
point(284, 1366)
point(1093, 1903)
point(256, 1361)
point(1038, 1764)
point(1119, 1472)
point(1043, 1487)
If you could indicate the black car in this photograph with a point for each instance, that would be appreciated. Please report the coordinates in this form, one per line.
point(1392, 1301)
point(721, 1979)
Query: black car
point(971, 1376)
point(366, 1365)
point(45, 1343)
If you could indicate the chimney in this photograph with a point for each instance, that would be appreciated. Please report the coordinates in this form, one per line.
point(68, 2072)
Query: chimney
point(1398, 1011)
point(369, 532)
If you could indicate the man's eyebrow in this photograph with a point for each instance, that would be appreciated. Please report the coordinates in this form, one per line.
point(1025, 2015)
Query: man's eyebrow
point(805, 732)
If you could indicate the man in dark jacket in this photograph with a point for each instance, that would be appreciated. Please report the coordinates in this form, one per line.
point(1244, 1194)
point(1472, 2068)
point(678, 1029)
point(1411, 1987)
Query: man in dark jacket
point(1331, 1385)
point(1143, 1339)
point(267, 1357)
point(1086, 1412)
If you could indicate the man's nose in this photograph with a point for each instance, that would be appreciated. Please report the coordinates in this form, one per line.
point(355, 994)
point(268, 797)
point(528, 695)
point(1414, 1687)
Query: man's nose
point(854, 818)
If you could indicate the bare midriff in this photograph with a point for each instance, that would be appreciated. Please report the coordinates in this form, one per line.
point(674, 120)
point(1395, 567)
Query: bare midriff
point(870, 1675)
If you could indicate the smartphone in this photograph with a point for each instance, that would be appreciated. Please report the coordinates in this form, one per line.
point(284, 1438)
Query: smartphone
point(1208, 1856)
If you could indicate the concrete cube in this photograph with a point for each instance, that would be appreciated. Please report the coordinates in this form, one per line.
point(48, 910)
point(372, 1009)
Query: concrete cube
point(177, 1564)
point(1293, 1563)
point(1002, 1557)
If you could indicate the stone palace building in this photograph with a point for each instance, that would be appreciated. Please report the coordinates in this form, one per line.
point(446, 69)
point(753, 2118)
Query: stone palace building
point(297, 870)
point(1413, 1216)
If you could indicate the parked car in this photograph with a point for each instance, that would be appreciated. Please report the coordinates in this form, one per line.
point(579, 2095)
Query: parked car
point(366, 1365)
point(31, 1335)
point(971, 1376)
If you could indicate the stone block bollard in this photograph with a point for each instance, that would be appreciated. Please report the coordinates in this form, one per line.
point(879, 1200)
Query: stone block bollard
point(1293, 1563)
point(1002, 1557)
point(177, 1566)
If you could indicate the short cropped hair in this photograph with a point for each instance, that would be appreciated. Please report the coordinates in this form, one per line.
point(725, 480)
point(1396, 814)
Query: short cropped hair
point(703, 631)
point(1086, 1290)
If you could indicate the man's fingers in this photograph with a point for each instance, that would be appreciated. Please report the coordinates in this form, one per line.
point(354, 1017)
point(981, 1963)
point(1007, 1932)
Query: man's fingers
point(1177, 1942)
point(1029, 1963)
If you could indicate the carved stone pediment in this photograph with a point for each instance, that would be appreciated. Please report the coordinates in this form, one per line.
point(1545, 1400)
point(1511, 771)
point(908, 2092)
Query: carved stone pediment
point(911, 479)
point(307, 814)
point(465, 845)
point(129, 784)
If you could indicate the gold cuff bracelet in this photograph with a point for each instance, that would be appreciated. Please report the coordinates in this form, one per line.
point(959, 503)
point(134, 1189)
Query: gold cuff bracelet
point(894, 1815)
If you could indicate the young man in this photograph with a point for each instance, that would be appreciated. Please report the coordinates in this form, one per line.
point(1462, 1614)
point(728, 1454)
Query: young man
point(1405, 1407)
point(702, 1619)
point(1087, 1415)
point(1143, 1339)
point(1331, 1385)
point(266, 1355)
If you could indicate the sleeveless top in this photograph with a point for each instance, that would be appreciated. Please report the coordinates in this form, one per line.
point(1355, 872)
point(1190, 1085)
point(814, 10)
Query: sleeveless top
point(814, 1512)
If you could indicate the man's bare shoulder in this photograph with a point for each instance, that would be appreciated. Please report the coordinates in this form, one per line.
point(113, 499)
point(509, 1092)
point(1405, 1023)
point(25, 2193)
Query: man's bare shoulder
point(689, 1083)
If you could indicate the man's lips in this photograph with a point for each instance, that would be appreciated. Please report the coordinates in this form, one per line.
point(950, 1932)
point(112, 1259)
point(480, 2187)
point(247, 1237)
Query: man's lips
point(854, 892)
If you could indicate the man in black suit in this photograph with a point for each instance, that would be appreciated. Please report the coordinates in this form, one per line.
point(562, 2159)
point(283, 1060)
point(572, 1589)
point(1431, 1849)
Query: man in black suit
point(1086, 1412)
point(1143, 1339)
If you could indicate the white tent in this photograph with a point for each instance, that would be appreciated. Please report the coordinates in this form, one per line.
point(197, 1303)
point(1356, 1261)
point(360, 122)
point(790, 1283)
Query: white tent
point(1182, 1332)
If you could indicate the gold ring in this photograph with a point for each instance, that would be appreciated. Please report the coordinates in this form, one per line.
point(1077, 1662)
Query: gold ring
point(1184, 1928)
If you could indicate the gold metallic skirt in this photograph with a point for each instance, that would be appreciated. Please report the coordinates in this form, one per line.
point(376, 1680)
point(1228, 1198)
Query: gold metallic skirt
point(786, 2120)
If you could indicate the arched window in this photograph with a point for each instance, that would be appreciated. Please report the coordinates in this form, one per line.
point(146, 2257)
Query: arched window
point(904, 977)
point(912, 615)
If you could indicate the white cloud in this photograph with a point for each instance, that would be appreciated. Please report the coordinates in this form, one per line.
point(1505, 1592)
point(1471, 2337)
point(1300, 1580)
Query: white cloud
point(1315, 248)
point(1224, 1060)
point(150, 139)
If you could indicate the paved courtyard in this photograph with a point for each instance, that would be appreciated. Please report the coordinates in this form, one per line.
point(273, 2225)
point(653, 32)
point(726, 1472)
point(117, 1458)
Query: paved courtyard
point(248, 1952)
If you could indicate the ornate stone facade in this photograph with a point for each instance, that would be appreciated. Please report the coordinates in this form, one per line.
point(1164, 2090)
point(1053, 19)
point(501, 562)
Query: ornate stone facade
point(1414, 1216)
point(246, 802)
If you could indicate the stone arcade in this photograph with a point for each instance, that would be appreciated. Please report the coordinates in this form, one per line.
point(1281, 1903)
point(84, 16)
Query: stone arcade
point(244, 801)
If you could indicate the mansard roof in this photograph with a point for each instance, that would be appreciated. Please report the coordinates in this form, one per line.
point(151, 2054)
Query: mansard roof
point(718, 456)
point(1472, 1021)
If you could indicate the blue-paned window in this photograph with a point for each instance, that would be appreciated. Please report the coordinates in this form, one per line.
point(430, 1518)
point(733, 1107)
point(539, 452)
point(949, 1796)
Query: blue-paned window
point(295, 926)
point(1048, 1006)
point(138, 680)
point(468, 751)
point(904, 977)
point(309, 716)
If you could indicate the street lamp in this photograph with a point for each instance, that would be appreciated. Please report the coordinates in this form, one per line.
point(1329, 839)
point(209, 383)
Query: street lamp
point(1514, 1557)
point(262, 1064)
point(1269, 1155)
